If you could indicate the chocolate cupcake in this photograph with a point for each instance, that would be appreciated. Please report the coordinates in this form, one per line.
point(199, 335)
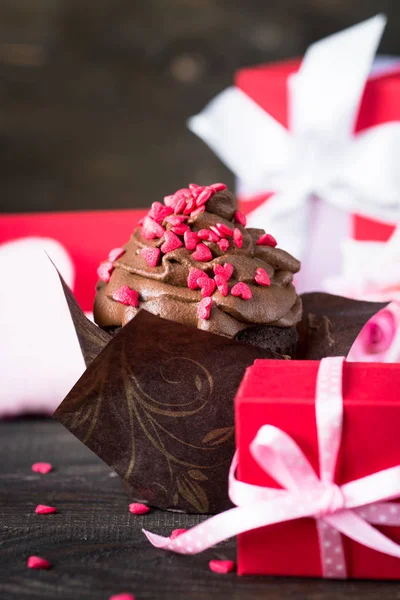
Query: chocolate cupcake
point(192, 260)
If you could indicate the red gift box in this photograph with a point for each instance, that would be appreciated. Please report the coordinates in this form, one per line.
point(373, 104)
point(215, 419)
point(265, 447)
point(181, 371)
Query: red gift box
point(87, 236)
point(282, 393)
point(267, 85)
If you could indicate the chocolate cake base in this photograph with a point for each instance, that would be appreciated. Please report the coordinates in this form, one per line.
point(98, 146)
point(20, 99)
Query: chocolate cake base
point(282, 341)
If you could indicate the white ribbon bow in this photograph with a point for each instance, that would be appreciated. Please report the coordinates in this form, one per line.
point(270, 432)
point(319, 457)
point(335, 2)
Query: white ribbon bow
point(319, 156)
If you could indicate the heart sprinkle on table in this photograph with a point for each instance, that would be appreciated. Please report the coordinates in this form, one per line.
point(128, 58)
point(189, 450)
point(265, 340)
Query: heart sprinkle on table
point(42, 467)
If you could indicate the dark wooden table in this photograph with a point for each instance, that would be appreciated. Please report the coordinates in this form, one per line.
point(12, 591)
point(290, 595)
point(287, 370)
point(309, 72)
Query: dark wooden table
point(96, 546)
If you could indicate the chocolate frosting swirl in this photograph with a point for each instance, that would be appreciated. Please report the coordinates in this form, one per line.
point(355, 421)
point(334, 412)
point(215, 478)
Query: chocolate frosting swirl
point(163, 289)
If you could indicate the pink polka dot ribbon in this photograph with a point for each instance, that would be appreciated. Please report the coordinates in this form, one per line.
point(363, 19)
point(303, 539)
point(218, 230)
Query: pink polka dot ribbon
point(350, 509)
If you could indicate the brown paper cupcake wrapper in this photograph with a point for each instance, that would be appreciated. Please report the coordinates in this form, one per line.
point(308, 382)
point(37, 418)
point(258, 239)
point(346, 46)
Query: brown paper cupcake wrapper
point(156, 400)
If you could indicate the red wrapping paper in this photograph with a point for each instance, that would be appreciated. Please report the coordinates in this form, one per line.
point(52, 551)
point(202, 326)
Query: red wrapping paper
point(267, 86)
point(282, 394)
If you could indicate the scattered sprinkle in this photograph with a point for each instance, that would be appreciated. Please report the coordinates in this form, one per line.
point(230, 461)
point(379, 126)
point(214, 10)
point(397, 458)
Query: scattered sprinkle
point(193, 276)
point(238, 237)
point(176, 533)
point(171, 242)
point(224, 230)
point(206, 285)
point(197, 212)
point(202, 253)
point(190, 205)
point(37, 562)
point(267, 240)
point(241, 290)
point(139, 509)
point(151, 229)
point(159, 212)
point(191, 239)
point(175, 219)
point(104, 271)
point(123, 596)
point(261, 277)
point(222, 566)
point(204, 308)
point(208, 234)
point(223, 244)
point(215, 230)
point(222, 288)
point(125, 295)
point(225, 271)
point(42, 509)
point(151, 255)
point(180, 205)
point(204, 196)
point(115, 253)
point(240, 218)
point(180, 229)
point(42, 467)
point(217, 187)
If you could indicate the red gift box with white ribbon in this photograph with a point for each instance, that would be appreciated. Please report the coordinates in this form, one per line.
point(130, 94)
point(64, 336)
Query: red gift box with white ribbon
point(313, 145)
point(365, 444)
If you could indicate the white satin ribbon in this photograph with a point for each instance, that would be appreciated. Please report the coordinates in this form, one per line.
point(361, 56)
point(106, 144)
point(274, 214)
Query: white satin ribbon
point(319, 156)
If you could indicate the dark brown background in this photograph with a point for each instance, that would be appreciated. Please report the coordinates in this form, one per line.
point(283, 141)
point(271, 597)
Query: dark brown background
point(94, 94)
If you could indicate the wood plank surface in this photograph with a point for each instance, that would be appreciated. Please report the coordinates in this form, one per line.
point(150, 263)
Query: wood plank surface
point(96, 546)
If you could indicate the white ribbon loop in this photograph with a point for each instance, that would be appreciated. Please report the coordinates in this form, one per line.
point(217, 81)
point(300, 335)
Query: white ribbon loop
point(319, 156)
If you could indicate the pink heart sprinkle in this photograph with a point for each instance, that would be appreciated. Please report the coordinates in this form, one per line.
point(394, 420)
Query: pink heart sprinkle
point(223, 244)
point(238, 237)
point(171, 242)
point(42, 467)
point(207, 234)
point(202, 253)
point(171, 200)
point(180, 229)
point(151, 229)
point(222, 566)
point(224, 230)
point(42, 509)
point(193, 187)
point(190, 205)
point(180, 206)
point(115, 253)
point(204, 308)
point(215, 230)
point(159, 211)
point(125, 295)
point(137, 508)
point(176, 219)
point(191, 239)
point(151, 256)
point(223, 289)
point(203, 197)
point(123, 596)
point(176, 533)
point(267, 240)
point(241, 290)
point(37, 562)
point(240, 218)
point(224, 271)
point(197, 212)
point(193, 276)
point(261, 277)
point(217, 187)
point(206, 285)
point(104, 271)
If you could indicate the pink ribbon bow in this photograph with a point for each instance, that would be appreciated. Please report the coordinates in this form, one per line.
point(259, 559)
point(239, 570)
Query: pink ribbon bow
point(350, 509)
